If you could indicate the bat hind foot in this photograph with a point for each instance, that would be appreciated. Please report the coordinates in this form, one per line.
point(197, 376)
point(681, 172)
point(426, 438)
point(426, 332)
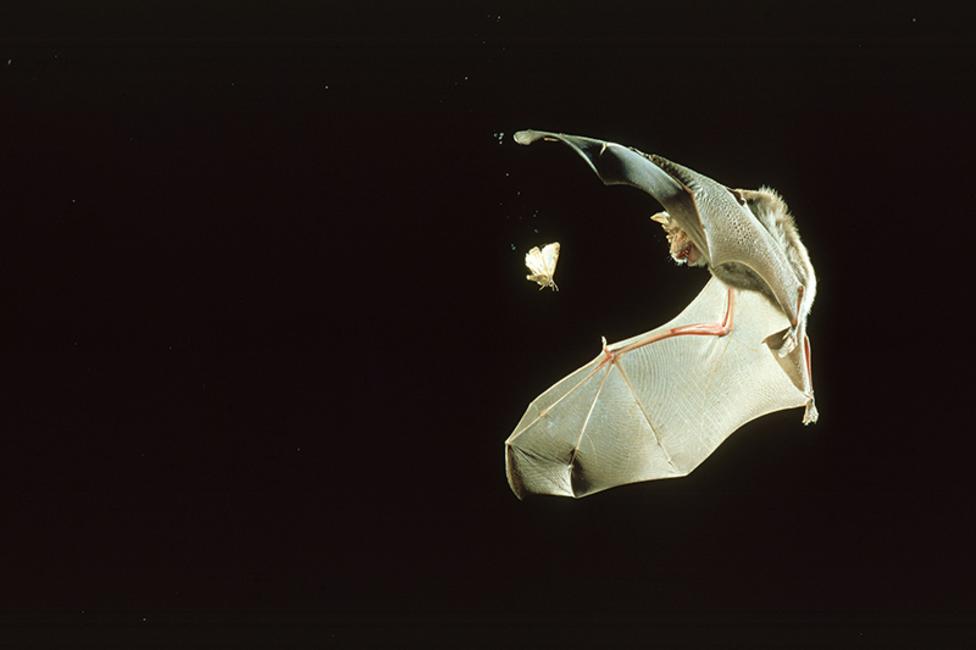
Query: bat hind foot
point(811, 415)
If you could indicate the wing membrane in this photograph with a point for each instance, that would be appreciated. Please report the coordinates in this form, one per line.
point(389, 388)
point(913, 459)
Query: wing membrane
point(659, 410)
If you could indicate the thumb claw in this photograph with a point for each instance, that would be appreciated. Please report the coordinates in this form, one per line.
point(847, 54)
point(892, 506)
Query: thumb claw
point(789, 342)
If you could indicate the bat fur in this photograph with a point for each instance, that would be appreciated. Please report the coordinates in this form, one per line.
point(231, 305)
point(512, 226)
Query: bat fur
point(773, 213)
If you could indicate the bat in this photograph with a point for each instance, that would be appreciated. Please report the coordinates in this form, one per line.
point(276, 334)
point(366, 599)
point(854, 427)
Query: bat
point(658, 404)
point(542, 264)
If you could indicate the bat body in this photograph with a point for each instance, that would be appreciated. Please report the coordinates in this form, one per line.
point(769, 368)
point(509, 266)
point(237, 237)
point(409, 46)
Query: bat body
point(658, 404)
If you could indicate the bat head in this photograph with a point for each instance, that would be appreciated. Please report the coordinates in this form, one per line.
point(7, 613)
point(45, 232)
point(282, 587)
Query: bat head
point(683, 251)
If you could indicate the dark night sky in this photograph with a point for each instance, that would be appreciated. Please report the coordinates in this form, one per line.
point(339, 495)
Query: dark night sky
point(265, 323)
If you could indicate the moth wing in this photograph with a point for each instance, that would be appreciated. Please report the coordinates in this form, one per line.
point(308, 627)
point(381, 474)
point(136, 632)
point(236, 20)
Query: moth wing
point(535, 262)
point(550, 256)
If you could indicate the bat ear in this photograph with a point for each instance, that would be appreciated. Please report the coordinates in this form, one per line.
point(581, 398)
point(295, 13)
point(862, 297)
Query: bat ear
point(662, 218)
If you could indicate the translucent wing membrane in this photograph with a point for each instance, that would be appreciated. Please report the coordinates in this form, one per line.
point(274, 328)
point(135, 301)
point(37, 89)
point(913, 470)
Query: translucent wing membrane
point(655, 411)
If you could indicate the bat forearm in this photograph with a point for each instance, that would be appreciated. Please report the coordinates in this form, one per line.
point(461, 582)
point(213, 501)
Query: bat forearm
point(719, 328)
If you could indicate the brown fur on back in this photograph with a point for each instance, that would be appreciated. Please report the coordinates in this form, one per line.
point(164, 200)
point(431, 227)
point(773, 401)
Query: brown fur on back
point(773, 213)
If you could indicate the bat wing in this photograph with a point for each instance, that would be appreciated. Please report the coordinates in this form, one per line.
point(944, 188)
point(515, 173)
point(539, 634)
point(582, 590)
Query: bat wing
point(659, 410)
point(619, 165)
point(716, 220)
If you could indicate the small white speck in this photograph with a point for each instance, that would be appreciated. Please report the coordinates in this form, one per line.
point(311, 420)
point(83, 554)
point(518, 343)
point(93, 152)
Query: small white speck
point(506, 174)
point(10, 61)
point(465, 77)
point(73, 201)
point(144, 619)
point(298, 448)
point(326, 86)
point(498, 19)
point(513, 246)
point(535, 230)
point(500, 136)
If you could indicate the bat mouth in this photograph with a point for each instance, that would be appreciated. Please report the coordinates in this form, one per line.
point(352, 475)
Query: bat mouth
point(687, 255)
point(682, 249)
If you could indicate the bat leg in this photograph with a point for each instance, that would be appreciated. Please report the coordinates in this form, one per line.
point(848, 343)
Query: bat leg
point(807, 355)
point(799, 301)
point(696, 329)
point(810, 415)
point(790, 339)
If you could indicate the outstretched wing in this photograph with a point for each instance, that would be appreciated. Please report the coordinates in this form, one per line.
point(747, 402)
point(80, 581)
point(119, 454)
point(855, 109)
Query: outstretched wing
point(659, 410)
point(714, 218)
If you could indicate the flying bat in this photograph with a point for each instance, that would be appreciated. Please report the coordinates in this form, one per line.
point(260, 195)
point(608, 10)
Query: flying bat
point(658, 404)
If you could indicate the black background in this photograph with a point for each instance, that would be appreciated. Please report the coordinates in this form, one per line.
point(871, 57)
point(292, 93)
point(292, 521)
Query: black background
point(265, 325)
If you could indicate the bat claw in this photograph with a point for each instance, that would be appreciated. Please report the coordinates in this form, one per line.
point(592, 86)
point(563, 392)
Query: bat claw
point(789, 342)
point(608, 355)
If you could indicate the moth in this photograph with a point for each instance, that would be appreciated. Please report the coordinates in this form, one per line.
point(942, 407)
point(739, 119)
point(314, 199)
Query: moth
point(658, 404)
point(542, 264)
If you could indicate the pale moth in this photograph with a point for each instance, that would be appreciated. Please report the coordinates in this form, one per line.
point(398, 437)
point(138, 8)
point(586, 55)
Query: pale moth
point(542, 264)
